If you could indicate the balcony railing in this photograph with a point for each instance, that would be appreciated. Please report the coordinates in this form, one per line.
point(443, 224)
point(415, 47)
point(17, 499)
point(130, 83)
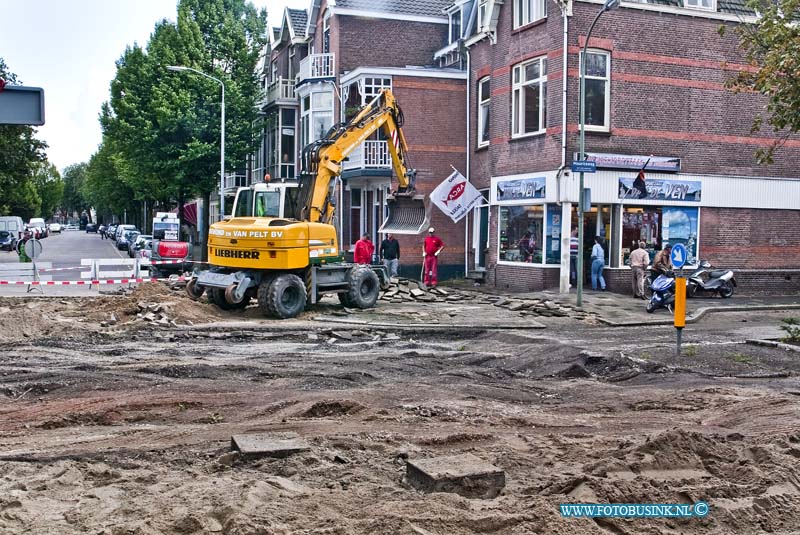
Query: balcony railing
point(369, 155)
point(235, 180)
point(317, 66)
point(280, 89)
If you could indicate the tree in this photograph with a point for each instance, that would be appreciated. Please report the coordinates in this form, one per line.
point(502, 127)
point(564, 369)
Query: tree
point(772, 50)
point(105, 188)
point(165, 125)
point(50, 188)
point(20, 153)
point(74, 178)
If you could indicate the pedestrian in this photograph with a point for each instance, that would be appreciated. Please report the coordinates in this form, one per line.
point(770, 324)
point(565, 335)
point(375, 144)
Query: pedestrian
point(639, 260)
point(390, 254)
point(598, 263)
point(573, 256)
point(526, 246)
point(364, 250)
point(663, 262)
point(430, 255)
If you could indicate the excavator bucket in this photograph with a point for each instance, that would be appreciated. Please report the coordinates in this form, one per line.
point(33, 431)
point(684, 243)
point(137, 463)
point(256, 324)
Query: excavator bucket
point(407, 214)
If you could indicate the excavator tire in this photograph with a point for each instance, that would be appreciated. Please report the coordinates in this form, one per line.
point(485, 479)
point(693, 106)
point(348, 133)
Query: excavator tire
point(284, 297)
point(230, 298)
point(194, 291)
point(364, 287)
point(217, 296)
point(344, 299)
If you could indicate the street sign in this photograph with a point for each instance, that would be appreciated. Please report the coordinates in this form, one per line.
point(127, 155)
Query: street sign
point(33, 248)
point(22, 105)
point(584, 166)
point(678, 255)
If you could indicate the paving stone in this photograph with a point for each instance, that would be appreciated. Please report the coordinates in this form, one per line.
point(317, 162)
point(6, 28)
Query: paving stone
point(516, 306)
point(252, 446)
point(417, 292)
point(466, 475)
point(500, 302)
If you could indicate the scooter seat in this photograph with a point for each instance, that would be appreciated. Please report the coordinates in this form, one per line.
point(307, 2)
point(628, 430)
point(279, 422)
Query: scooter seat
point(717, 273)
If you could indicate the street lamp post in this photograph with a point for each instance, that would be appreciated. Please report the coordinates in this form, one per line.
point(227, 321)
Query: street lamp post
point(177, 68)
point(609, 4)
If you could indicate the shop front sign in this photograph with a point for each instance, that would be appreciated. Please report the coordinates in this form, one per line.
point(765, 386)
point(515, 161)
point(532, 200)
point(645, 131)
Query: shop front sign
point(521, 189)
point(658, 189)
point(632, 161)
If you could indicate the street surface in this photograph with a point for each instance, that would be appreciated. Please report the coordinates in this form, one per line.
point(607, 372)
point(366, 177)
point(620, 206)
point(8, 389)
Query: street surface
point(114, 423)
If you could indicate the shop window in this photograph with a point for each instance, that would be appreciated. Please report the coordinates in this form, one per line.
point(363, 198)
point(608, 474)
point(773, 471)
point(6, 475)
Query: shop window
point(553, 238)
point(521, 231)
point(598, 91)
point(657, 227)
point(527, 11)
point(484, 88)
point(528, 109)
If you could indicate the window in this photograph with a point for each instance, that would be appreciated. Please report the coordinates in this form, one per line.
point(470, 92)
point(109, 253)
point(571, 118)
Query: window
point(528, 110)
point(288, 150)
point(527, 11)
point(326, 33)
point(274, 71)
point(355, 215)
point(598, 94)
point(316, 116)
point(709, 5)
point(291, 62)
point(657, 227)
point(521, 233)
point(482, 15)
point(484, 94)
point(455, 25)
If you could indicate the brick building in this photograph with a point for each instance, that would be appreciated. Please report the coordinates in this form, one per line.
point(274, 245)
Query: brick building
point(326, 62)
point(655, 85)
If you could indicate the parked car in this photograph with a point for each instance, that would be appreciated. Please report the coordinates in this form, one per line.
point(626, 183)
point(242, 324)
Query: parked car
point(121, 229)
point(71, 226)
point(139, 246)
point(91, 227)
point(110, 231)
point(8, 241)
point(55, 228)
point(13, 224)
point(126, 239)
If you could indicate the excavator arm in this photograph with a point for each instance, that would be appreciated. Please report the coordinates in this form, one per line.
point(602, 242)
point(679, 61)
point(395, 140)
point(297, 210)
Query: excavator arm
point(322, 164)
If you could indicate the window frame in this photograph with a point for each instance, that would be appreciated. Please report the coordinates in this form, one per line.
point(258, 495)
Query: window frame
point(607, 78)
point(540, 236)
point(450, 24)
point(522, 13)
point(698, 6)
point(518, 101)
point(484, 101)
point(482, 7)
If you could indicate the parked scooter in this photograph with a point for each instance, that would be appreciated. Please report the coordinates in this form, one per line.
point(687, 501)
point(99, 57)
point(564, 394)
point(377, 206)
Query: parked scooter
point(717, 281)
point(663, 292)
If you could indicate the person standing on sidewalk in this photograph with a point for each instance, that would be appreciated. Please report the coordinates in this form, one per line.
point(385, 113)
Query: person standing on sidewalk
point(430, 255)
point(639, 261)
point(364, 250)
point(573, 257)
point(598, 263)
point(390, 254)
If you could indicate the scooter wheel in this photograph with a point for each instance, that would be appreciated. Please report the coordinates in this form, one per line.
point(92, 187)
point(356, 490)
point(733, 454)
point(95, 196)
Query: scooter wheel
point(650, 308)
point(726, 290)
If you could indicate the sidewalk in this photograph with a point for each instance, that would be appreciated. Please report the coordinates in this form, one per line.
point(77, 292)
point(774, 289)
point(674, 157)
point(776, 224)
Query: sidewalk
point(623, 310)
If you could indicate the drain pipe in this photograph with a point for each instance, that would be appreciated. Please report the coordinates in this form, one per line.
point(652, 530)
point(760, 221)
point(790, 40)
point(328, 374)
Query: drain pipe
point(466, 219)
point(566, 215)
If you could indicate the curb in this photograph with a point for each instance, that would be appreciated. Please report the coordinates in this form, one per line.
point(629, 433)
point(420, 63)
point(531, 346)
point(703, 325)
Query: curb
point(697, 316)
point(772, 343)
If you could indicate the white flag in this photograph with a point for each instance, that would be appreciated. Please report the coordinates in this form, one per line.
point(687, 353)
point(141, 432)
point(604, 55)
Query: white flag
point(455, 196)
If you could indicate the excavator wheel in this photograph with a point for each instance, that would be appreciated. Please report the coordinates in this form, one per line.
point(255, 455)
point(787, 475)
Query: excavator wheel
point(230, 297)
point(344, 299)
point(194, 291)
point(283, 297)
point(217, 296)
point(364, 287)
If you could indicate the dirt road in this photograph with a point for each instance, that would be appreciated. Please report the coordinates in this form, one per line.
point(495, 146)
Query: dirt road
point(126, 429)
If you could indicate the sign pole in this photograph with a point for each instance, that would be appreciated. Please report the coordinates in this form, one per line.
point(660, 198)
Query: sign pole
point(678, 257)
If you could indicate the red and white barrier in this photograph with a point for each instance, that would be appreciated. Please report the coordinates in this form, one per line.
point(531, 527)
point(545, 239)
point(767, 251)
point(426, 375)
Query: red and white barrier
point(91, 282)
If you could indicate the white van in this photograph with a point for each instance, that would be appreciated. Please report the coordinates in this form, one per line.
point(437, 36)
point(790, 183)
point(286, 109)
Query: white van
point(12, 224)
point(39, 223)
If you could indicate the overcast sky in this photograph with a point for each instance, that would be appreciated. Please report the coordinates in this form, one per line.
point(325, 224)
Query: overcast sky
point(69, 47)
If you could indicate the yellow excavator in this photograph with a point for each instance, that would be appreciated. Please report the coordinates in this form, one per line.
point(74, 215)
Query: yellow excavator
point(280, 245)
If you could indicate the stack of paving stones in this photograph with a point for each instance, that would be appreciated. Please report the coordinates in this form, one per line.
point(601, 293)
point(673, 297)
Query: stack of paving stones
point(408, 291)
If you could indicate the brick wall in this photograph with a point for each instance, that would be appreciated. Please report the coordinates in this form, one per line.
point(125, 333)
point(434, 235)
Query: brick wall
point(367, 42)
point(751, 238)
point(668, 94)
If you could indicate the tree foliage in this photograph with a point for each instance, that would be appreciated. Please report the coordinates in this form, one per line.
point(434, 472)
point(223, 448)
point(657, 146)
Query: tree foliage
point(49, 186)
point(772, 49)
point(162, 129)
point(105, 187)
point(20, 155)
point(74, 180)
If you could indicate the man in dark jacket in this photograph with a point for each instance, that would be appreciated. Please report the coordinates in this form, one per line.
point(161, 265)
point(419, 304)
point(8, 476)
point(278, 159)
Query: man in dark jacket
point(390, 254)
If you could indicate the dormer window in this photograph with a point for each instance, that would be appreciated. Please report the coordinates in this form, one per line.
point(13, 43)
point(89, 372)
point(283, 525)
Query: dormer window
point(482, 14)
point(456, 19)
point(705, 5)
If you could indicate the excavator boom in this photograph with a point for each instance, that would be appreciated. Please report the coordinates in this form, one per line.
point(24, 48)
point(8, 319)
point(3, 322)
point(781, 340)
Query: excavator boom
point(408, 212)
